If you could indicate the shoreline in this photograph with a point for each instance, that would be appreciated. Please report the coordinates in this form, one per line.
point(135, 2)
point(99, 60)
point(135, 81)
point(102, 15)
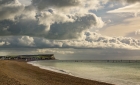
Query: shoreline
point(22, 73)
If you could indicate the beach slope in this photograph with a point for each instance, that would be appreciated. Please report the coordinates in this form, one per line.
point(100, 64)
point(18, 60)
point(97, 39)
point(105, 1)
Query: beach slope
point(21, 73)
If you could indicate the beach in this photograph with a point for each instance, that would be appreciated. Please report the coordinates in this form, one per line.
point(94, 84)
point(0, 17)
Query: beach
point(21, 73)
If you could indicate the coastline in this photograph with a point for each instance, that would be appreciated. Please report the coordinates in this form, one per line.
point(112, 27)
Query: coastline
point(21, 73)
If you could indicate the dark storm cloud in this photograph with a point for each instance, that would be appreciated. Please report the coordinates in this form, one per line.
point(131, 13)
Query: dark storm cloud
point(73, 29)
point(66, 30)
point(3, 2)
point(9, 12)
point(17, 20)
point(9, 9)
point(29, 27)
point(42, 4)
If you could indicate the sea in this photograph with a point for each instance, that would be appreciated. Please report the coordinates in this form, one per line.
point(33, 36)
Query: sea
point(118, 72)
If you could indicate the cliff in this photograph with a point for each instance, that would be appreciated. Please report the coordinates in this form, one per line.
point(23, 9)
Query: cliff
point(29, 57)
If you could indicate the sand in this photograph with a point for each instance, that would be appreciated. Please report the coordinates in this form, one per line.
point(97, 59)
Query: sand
point(21, 73)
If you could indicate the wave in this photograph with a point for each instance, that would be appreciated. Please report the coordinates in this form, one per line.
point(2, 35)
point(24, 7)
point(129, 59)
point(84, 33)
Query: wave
point(50, 68)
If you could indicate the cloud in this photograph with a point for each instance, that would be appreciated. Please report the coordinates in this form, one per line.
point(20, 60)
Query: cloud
point(133, 8)
point(50, 27)
point(134, 34)
point(119, 29)
point(49, 20)
point(54, 51)
point(25, 2)
point(68, 4)
point(57, 26)
point(74, 29)
point(2, 43)
point(132, 1)
point(126, 1)
point(5, 2)
point(137, 32)
point(42, 4)
point(9, 9)
point(90, 40)
point(26, 41)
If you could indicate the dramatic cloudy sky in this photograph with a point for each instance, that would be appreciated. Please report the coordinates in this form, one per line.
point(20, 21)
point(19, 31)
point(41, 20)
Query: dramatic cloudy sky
point(71, 29)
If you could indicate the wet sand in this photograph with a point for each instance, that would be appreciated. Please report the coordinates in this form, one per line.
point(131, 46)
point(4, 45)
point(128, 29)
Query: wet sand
point(21, 73)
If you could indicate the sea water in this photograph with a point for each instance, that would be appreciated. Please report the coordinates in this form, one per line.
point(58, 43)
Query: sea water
point(115, 72)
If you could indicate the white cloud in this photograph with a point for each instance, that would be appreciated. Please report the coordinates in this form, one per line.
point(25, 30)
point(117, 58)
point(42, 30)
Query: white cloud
point(26, 41)
point(137, 32)
point(48, 18)
point(25, 2)
point(54, 51)
point(2, 43)
point(133, 8)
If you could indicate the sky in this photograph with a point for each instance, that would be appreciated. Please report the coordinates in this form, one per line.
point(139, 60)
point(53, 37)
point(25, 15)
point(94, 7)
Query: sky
point(71, 29)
